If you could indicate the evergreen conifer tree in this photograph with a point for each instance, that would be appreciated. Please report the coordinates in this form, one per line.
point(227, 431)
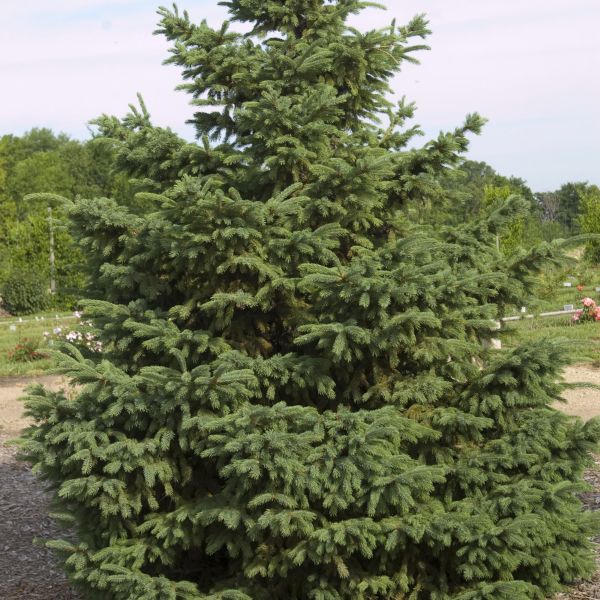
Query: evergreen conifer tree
point(295, 399)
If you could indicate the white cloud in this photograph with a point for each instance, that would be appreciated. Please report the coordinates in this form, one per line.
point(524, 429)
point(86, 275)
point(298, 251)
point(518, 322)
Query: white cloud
point(530, 67)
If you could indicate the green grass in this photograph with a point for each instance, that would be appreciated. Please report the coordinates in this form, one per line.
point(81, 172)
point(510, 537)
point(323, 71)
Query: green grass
point(584, 338)
point(30, 329)
point(552, 295)
point(560, 296)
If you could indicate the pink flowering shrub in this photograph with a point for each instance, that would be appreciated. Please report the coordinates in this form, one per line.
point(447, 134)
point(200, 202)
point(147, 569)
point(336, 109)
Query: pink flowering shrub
point(589, 313)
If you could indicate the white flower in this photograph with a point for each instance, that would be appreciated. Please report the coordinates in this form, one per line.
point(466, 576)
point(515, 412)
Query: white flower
point(57, 330)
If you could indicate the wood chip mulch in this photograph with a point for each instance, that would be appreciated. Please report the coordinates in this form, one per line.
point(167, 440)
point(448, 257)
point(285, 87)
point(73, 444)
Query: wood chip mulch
point(27, 571)
point(30, 572)
point(589, 590)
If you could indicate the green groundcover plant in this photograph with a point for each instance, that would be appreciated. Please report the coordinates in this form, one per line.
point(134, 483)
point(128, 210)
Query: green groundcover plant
point(26, 350)
point(295, 399)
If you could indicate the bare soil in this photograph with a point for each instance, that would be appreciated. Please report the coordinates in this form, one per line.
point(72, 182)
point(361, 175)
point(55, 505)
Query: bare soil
point(582, 402)
point(29, 571)
point(12, 420)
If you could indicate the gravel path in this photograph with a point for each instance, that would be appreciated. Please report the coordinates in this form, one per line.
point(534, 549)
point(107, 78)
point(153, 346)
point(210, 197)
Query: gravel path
point(29, 572)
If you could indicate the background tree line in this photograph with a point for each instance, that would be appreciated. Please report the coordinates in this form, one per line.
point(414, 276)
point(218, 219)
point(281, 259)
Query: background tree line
point(41, 161)
point(473, 189)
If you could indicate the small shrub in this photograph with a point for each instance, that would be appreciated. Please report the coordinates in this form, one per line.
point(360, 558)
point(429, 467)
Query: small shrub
point(23, 294)
point(26, 351)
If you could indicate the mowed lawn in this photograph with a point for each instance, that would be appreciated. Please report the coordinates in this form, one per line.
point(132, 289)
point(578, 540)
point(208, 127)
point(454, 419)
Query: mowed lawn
point(561, 296)
point(14, 331)
point(583, 339)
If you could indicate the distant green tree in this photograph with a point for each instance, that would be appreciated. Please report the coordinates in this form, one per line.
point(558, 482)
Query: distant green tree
point(43, 162)
point(3, 174)
point(510, 237)
point(569, 196)
point(14, 149)
point(25, 248)
point(589, 219)
point(461, 195)
point(41, 172)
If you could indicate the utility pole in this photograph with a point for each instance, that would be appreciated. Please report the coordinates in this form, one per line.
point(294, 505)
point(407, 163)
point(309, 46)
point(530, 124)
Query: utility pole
point(52, 266)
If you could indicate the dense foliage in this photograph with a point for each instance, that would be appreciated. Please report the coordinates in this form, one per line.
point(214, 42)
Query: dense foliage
point(24, 293)
point(589, 220)
point(473, 189)
point(40, 170)
point(295, 400)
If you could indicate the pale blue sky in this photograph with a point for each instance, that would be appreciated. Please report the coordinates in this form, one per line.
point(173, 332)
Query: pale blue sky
point(531, 67)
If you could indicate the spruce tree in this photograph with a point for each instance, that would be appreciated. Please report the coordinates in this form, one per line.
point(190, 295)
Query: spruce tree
point(295, 399)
